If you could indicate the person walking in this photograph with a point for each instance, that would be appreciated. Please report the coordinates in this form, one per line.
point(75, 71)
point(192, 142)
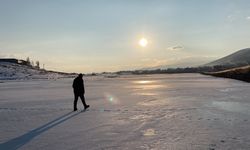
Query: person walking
point(79, 91)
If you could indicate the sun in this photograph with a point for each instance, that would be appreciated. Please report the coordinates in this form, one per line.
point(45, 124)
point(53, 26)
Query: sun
point(143, 42)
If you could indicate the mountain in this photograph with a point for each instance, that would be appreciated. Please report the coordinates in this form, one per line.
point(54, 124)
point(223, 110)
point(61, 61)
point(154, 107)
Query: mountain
point(183, 63)
point(237, 59)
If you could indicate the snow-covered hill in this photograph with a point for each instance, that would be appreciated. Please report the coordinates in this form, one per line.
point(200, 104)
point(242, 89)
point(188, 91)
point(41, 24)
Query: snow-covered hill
point(13, 71)
point(239, 58)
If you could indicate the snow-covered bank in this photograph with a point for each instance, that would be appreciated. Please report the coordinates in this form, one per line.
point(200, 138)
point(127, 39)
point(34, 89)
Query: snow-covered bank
point(13, 71)
point(179, 111)
point(240, 73)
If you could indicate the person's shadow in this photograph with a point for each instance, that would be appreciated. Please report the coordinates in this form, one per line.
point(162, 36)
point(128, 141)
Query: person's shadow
point(18, 142)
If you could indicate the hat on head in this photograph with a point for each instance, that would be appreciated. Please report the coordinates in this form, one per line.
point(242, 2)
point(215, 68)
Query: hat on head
point(80, 75)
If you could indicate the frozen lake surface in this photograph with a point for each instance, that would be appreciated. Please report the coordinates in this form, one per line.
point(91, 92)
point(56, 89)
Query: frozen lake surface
point(179, 111)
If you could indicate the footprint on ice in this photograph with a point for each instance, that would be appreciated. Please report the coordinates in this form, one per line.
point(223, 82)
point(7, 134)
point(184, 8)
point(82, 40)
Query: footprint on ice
point(212, 146)
point(222, 141)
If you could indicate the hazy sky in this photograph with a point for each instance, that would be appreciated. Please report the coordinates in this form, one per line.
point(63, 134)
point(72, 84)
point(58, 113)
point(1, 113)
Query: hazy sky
point(102, 35)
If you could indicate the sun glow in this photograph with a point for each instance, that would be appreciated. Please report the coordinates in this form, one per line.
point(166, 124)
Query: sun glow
point(143, 42)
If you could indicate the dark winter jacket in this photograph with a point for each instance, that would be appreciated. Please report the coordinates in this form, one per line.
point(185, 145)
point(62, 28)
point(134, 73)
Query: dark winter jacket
point(78, 85)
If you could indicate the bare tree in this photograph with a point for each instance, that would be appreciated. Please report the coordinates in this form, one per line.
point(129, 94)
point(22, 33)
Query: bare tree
point(28, 61)
point(37, 64)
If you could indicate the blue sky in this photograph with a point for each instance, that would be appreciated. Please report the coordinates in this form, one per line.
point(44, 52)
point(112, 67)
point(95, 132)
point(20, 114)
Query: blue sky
point(103, 35)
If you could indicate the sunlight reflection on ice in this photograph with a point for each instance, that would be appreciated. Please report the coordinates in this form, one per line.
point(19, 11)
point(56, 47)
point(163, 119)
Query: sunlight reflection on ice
point(145, 85)
point(149, 132)
point(142, 117)
point(144, 82)
point(111, 98)
point(145, 94)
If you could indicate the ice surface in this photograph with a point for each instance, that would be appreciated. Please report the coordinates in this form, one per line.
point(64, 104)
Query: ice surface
point(179, 111)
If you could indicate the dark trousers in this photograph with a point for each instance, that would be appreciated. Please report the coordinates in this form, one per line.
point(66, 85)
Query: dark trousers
point(76, 99)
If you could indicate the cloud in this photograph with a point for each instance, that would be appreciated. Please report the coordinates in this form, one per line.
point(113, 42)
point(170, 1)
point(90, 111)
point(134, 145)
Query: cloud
point(153, 62)
point(175, 48)
point(232, 18)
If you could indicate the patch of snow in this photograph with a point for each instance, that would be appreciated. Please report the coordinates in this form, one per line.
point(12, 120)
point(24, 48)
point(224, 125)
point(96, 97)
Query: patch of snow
point(12, 71)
